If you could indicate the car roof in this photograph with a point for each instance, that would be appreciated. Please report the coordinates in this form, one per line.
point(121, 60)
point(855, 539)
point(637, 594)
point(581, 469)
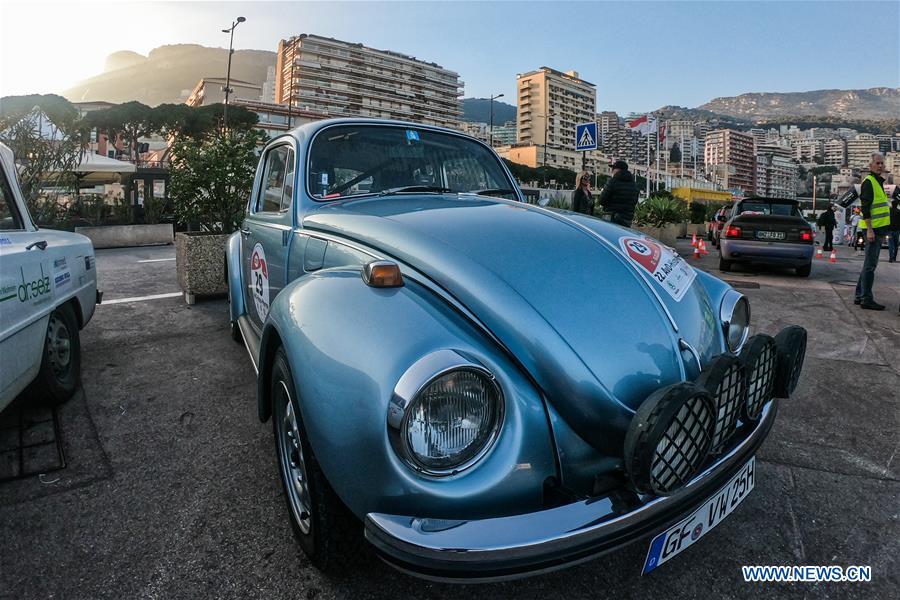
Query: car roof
point(770, 200)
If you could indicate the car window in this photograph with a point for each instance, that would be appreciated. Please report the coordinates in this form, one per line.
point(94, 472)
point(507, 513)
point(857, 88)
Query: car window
point(277, 180)
point(351, 160)
point(766, 208)
point(9, 215)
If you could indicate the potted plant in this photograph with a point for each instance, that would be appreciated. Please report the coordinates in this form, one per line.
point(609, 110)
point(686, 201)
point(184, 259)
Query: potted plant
point(211, 179)
point(659, 216)
point(697, 225)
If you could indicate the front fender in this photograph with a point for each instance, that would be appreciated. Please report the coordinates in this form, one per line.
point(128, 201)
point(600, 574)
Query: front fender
point(348, 344)
point(233, 276)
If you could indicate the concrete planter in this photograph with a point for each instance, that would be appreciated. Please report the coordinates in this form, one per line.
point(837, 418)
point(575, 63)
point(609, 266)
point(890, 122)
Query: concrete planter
point(696, 228)
point(682, 229)
point(124, 236)
point(200, 263)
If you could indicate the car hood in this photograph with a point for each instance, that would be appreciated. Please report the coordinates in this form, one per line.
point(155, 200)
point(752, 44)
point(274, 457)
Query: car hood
point(556, 288)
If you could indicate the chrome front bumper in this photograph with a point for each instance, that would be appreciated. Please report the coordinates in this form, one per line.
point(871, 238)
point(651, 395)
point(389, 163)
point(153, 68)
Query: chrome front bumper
point(523, 545)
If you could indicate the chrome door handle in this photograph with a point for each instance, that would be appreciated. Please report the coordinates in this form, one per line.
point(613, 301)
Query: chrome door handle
point(245, 232)
point(41, 244)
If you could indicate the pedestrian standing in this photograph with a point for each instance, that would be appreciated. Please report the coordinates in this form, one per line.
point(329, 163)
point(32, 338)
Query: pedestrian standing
point(876, 222)
point(854, 227)
point(620, 194)
point(828, 222)
point(894, 233)
point(582, 199)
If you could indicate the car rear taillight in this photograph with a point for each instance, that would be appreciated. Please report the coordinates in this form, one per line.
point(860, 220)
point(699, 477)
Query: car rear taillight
point(806, 235)
point(733, 232)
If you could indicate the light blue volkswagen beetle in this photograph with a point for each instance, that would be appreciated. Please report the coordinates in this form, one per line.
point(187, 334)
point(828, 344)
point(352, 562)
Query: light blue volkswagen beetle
point(485, 388)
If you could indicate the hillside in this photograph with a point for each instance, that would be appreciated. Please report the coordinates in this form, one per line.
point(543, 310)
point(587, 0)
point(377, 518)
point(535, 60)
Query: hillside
point(168, 73)
point(478, 110)
point(871, 104)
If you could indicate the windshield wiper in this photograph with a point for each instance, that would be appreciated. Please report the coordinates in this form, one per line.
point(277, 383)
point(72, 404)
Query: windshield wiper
point(492, 191)
point(435, 189)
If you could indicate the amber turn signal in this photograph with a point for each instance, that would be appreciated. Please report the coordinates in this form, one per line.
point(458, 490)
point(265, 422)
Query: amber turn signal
point(382, 274)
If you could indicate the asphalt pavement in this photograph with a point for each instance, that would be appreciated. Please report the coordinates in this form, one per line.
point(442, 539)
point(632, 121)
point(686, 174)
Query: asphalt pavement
point(171, 488)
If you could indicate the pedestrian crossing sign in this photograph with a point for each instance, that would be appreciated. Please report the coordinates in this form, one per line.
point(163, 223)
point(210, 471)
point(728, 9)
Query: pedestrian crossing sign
point(586, 136)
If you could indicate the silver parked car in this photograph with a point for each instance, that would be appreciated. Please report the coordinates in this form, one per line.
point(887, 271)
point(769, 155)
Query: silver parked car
point(767, 231)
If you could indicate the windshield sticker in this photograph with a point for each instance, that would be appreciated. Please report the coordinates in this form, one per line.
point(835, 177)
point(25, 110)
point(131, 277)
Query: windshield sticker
point(259, 281)
point(662, 263)
point(412, 136)
point(324, 178)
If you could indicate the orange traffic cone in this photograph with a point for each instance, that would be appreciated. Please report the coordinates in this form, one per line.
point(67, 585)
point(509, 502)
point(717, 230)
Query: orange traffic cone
point(694, 240)
point(819, 252)
point(697, 252)
point(703, 247)
point(833, 257)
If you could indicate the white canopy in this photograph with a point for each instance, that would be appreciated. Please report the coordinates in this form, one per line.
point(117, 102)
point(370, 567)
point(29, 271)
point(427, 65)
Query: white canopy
point(95, 169)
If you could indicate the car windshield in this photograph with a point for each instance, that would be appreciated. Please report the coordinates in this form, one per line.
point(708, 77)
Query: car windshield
point(769, 208)
point(353, 160)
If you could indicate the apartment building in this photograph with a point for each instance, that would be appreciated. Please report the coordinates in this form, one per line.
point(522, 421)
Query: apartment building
point(860, 150)
point(337, 78)
point(505, 135)
point(211, 90)
point(835, 152)
point(550, 104)
point(776, 172)
point(729, 158)
point(806, 150)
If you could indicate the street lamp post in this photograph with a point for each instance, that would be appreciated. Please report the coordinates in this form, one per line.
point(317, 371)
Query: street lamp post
point(491, 131)
point(228, 72)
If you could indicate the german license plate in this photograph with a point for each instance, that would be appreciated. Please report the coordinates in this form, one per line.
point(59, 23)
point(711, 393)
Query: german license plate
point(679, 537)
point(770, 235)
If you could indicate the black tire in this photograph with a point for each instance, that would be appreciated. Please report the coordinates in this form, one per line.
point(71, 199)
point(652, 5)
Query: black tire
point(330, 535)
point(724, 265)
point(804, 270)
point(60, 372)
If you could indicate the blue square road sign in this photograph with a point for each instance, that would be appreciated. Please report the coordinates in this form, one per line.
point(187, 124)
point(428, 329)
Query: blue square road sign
point(586, 136)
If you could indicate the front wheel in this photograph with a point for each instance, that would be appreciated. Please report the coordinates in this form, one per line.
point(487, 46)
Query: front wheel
point(329, 534)
point(60, 371)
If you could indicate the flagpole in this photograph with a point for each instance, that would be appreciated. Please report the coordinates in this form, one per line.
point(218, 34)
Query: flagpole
point(647, 178)
point(656, 125)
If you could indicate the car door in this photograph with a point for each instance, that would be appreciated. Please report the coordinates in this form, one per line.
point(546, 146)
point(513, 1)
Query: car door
point(26, 292)
point(266, 231)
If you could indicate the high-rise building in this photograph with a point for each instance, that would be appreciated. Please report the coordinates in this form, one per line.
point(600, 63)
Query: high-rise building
point(776, 172)
point(268, 87)
point(211, 90)
point(730, 160)
point(505, 135)
point(607, 122)
point(860, 150)
point(806, 150)
point(338, 78)
point(550, 104)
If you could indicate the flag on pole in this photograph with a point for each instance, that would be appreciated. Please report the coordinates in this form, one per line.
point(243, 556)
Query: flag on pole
point(645, 125)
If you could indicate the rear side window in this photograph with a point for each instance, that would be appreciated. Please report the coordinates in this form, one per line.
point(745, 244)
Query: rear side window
point(278, 180)
point(9, 215)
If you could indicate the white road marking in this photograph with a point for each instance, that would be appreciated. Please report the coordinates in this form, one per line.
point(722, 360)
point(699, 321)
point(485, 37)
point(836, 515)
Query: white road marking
point(156, 260)
point(141, 298)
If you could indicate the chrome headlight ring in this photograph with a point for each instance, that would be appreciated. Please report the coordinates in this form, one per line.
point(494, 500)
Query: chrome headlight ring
point(734, 313)
point(408, 413)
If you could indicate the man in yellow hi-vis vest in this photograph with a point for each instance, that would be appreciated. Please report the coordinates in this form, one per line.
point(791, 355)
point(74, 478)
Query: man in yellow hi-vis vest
point(876, 222)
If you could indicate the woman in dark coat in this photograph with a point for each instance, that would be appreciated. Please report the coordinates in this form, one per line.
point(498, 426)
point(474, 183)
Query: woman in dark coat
point(582, 200)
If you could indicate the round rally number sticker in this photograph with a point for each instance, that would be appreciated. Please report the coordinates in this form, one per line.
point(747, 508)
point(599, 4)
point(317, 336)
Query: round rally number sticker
point(259, 281)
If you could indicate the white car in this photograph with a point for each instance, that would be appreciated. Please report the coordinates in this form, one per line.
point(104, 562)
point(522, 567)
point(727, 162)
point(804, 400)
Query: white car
point(48, 292)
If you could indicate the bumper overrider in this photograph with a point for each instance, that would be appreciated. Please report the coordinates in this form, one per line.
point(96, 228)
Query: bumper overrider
point(686, 441)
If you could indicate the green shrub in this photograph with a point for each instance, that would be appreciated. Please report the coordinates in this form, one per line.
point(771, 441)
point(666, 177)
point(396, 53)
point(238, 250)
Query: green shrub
point(698, 212)
point(659, 210)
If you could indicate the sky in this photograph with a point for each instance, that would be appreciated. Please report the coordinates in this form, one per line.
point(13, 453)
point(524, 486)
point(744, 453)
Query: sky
point(640, 55)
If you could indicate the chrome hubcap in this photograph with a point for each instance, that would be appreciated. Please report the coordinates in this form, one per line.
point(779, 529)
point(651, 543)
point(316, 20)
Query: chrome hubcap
point(293, 463)
point(59, 345)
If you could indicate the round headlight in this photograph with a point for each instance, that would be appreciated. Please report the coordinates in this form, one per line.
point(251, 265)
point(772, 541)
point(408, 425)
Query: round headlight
point(735, 316)
point(445, 413)
point(452, 420)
